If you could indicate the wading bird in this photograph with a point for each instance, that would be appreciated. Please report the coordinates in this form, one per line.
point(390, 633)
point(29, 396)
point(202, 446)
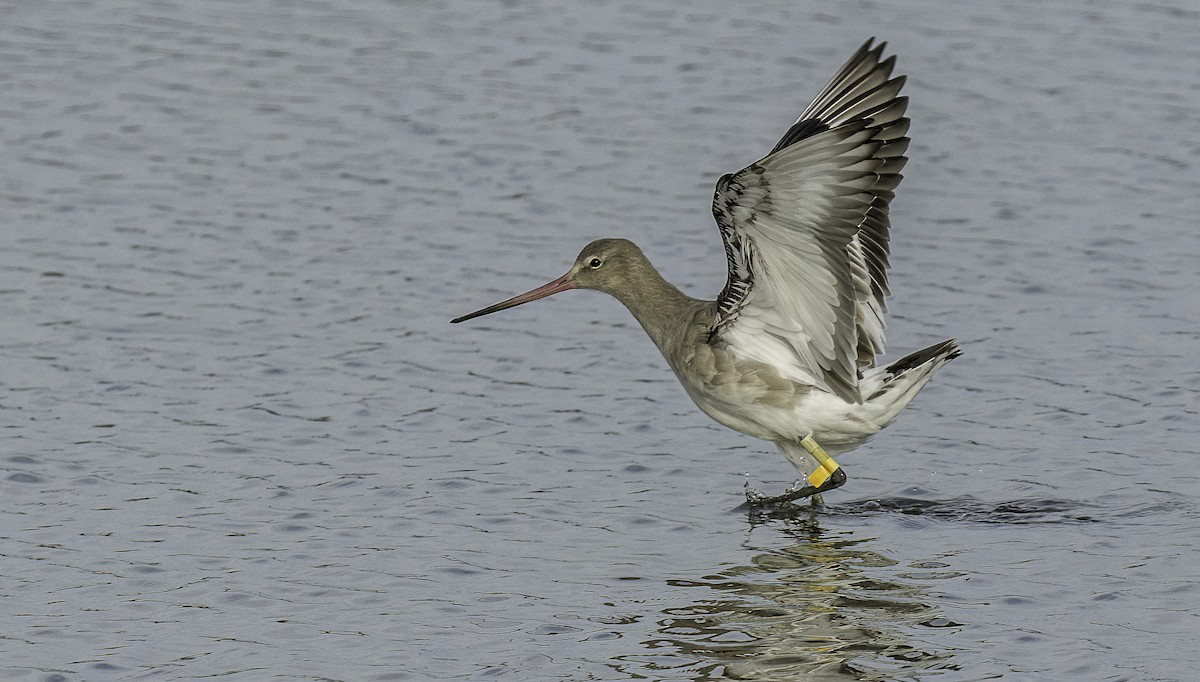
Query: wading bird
point(787, 351)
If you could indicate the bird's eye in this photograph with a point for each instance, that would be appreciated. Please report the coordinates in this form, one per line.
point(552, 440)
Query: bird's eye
point(595, 263)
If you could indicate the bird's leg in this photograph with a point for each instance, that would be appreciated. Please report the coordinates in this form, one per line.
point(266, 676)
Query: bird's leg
point(827, 476)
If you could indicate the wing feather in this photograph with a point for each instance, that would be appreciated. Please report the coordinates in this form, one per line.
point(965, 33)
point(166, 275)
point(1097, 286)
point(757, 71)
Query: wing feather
point(806, 233)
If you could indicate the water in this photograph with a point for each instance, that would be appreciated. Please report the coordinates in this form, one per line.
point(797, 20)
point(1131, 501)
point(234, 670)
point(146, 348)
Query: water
point(242, 441)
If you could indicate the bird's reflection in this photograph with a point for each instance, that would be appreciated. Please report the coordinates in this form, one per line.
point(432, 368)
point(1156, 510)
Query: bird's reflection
point(824, 607)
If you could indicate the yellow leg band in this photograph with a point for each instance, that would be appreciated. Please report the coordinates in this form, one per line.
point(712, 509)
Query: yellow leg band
point(817, 478)
point(828, 466)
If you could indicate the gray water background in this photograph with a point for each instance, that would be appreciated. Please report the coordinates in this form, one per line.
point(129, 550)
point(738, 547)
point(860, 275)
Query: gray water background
point(241, 440)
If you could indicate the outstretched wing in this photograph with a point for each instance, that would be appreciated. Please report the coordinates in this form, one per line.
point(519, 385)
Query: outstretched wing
point(806, 232)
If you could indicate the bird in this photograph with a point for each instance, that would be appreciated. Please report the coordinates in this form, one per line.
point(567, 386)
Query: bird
point(788, 350)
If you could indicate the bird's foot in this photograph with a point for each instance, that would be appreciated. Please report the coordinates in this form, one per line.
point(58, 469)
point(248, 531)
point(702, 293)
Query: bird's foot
point(827, 476)
point(801, 490)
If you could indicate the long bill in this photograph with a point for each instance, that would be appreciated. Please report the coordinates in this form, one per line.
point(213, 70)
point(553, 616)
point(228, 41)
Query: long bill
point(561, 284)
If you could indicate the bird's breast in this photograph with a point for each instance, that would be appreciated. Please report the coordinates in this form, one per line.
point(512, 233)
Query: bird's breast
point(744, 395)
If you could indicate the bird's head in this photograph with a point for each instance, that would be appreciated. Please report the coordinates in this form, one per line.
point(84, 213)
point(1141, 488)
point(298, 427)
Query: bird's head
point(614, 266)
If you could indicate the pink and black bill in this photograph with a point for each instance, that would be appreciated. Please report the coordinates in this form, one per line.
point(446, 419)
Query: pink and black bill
point(561, 284)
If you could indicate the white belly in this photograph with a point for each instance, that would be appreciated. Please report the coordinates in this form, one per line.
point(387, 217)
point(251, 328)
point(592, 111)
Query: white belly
point(836, 424)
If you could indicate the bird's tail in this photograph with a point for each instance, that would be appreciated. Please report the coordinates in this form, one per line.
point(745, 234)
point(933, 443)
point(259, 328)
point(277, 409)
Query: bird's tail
point(893, 386)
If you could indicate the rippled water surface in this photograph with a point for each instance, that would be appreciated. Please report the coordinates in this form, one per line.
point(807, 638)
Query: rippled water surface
point(241, 440)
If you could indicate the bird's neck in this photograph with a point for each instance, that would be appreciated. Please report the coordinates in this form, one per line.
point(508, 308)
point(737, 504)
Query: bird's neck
point(660, 307)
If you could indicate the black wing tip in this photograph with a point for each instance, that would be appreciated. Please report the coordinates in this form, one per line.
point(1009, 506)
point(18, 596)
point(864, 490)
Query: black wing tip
point(867, 60)
point(870, 49)
point(870, 42)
